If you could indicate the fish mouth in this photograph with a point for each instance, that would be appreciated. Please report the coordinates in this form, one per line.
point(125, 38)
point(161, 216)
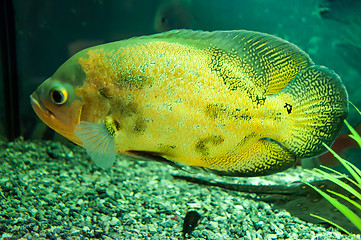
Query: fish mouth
point(48, 117)
point(39, 107)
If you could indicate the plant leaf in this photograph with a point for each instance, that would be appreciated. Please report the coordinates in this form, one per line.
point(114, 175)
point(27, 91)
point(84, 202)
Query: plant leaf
point(354, 135)
point(334, 224)
point(346, 198)
point(337, 181)
point(347, 165)
point(356, 220)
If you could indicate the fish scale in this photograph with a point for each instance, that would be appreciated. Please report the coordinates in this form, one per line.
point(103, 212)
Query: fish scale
point(237, 102)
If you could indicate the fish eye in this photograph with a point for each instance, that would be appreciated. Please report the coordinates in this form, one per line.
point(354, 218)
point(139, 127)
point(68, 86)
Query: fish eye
point(58, 95)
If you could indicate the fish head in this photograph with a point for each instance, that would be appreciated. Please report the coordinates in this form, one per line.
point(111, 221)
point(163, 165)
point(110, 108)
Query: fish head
point(56, 102)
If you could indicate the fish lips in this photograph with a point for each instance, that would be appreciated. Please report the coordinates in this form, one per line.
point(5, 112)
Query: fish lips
point(39, 108)
point(51, 120)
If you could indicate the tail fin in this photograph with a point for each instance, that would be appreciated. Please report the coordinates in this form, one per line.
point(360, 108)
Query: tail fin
point(319, 105)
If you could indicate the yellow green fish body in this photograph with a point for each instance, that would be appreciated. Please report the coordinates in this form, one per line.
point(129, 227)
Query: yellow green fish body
point(237, 102)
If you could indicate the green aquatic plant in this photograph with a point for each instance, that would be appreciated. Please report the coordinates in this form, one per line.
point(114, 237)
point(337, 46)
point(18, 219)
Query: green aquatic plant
point(335, 177)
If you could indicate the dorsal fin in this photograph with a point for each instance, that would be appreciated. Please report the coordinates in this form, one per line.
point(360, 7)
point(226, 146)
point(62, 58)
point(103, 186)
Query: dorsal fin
point(273, 62)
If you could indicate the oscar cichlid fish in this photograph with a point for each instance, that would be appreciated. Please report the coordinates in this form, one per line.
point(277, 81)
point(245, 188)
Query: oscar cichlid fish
point(237, 102)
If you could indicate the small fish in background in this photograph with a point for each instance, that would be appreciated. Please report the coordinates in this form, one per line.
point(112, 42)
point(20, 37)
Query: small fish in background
point(239, 103)
point(346, 12)
point(173, 14)
point(191, 221)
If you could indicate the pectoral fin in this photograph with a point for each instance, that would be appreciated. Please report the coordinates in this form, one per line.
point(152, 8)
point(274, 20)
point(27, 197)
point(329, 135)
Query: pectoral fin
point(98, 142)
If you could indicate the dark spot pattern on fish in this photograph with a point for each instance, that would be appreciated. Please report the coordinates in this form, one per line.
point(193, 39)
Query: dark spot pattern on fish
point(140, 125)
point(130, 117)
point(203, 145)
point(259, 100)
point(288, 107)
point(226, 67)
point(215, 111)
point(126, 109)
point(128, 81)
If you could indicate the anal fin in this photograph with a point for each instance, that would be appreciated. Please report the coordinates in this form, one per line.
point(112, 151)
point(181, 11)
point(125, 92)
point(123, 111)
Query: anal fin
point(265, 157)
point(153, 156)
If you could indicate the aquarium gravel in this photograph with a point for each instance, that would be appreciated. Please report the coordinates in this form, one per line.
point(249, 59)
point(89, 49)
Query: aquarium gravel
point(52, 190)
